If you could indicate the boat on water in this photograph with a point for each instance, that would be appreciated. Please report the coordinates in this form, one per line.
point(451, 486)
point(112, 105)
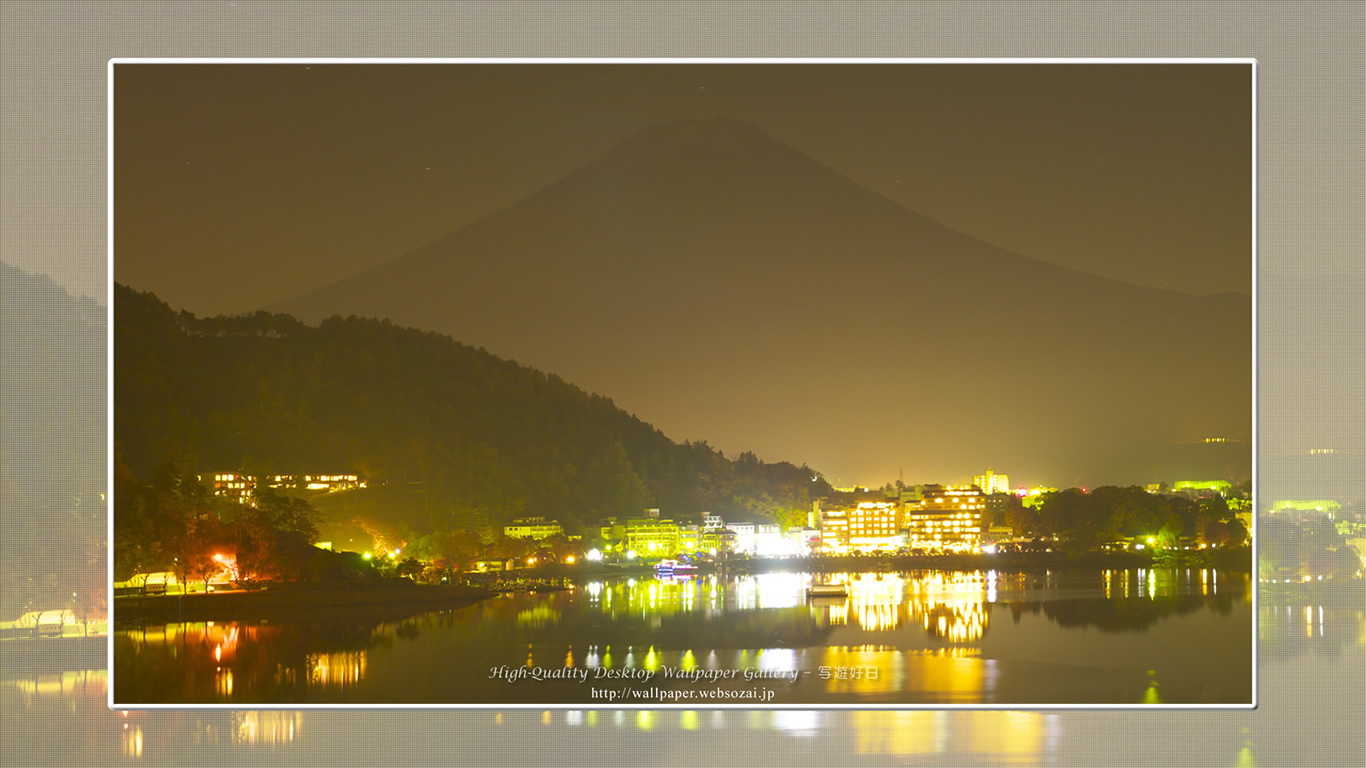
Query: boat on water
point(673, 566)
point(827, 590)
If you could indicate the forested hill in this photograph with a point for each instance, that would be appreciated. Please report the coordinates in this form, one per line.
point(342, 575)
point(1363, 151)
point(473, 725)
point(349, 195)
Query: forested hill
point(459, 437)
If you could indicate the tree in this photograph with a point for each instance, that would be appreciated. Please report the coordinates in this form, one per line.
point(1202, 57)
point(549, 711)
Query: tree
point(561, 548)
point(1237, 532)
point(509, 547)
point(288, 514)
point(447, 550)
point(1217, 534)
point(201, 567)
point(178, 515)
point(136, 547)
point(1215, 508)
point(1070, 515)
point(1120, 511)
point(1023, 521)
point(411, 568)
point(255, 539)
point(1348, 560)
point(1169, 535)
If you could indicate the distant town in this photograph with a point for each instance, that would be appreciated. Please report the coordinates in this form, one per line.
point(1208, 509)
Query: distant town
point(987, 517)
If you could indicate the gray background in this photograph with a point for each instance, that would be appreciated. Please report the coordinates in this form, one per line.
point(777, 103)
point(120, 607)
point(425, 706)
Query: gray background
point(1312, 294)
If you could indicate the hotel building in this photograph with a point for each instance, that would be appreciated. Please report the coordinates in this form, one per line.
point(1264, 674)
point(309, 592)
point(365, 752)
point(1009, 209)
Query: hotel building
point(865, 526)
point(990, 482)
point(646, 536)
point(532, 528)
point(944, 518)
point(241, 487)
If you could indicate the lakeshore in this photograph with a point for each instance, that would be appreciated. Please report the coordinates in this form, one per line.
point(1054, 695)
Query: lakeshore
point(297, 600)
point(1231, 559)
point(286, 600)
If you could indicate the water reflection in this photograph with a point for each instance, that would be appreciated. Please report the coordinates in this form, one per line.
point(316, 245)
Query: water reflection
point(1322, 629)
point(921, 636)
point(266, 728)
point(339, 669)
point(82, 684)
point(76, 728)
point(64, 711)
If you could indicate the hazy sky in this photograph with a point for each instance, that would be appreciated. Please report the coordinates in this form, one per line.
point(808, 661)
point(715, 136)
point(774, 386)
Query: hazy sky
point(241, 185)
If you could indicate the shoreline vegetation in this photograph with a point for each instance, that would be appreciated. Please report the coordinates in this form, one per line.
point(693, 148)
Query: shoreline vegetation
point(310, 600)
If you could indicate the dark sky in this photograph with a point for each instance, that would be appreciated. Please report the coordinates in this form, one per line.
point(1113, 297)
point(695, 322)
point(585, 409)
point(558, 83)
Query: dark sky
point(241, 185)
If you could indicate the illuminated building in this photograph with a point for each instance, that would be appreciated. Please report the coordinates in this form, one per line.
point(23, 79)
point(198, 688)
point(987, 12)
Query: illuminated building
point(725, 540)
point(695, 539)
point(235, 486)
point(744, 536)
point(532, 528)
point(1201, 487)
point(689, 538)
point(874, 525)
point(868, 525)
point(771, 541)
point(1307, 505)
point(997, 533)
point(319, 482)
point(834, 526)
point(1033, 497)
point(649, 536)
point(241, 487)
point(990, 482)
point(944, 518)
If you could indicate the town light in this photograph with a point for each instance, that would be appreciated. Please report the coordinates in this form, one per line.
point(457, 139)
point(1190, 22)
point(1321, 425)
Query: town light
point(631, 554)
point(594, 554)
point(569, 560)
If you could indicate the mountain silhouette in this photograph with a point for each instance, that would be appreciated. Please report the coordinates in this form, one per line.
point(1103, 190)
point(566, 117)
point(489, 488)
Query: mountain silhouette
point(726, 286)
point(53, 392)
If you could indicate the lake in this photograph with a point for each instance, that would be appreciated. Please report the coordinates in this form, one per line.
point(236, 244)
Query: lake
point(927, 637)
